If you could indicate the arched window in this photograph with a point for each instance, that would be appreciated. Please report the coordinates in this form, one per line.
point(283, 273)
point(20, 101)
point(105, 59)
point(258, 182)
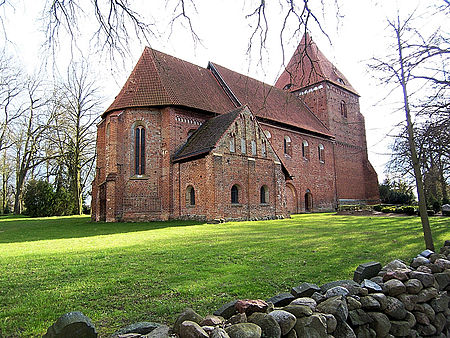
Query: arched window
point(321, 153)
point(243, 145)
point(139, 151)
point(305, 149)
point(232, 143)
point(253, 143)
point(234, 194)
point(287, 145)
point(308, 200)
point(263, 148)
point(343, 108)
point(190, 196)
point(264, 194)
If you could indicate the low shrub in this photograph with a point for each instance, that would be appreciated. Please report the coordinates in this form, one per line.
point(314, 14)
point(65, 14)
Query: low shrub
point(377, 207)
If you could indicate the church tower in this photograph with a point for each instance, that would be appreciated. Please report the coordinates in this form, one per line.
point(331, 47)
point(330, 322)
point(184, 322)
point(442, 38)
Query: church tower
point(326, 91)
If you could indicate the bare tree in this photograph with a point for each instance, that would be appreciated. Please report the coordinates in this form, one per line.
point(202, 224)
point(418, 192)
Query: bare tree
point(29, 133)
point(78, 105)
point(414, 67)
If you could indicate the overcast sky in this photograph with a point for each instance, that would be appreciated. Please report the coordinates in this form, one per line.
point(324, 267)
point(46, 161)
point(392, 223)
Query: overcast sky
point(357, 34)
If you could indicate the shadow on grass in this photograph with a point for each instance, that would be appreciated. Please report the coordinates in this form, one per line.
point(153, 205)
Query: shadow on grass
point(14, 229)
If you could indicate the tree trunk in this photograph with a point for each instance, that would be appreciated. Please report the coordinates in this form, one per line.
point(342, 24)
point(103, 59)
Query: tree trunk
point(415, 161)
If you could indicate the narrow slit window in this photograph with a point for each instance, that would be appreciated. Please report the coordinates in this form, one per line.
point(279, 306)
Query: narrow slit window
point(139, 151)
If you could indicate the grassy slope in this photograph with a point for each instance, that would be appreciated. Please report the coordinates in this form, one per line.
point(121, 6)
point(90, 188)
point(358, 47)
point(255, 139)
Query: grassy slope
point(121, 273)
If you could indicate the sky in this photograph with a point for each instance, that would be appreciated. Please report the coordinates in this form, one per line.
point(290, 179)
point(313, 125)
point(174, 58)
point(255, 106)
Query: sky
point(356, 33)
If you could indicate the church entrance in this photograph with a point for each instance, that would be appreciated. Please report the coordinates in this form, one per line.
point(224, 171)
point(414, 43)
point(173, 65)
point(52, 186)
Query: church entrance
point(308, 201)
point(291, 199)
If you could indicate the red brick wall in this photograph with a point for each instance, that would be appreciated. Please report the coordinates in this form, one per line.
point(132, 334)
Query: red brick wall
point(308, 173)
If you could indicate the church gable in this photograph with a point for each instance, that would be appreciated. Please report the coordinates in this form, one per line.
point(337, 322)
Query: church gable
point(234, 133)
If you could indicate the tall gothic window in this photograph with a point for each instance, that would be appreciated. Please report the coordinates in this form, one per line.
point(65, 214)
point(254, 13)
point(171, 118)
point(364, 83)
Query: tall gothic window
point(190, 196)
point(321, 153)
point(234, 194)
point(343, 108)
point(263, 148)
point(287, 145)
point(264, 194)
point(139, 151)
point(305, 149)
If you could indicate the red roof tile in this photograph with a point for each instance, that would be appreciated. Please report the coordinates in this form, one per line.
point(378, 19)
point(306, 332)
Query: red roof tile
point(309, 66)
point(159, 79)
point(271, 103)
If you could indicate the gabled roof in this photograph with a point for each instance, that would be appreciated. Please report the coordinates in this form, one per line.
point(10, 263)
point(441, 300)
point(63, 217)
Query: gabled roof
point(159, 79)
point(309, 66)
point(206, 137)
point(271, 103)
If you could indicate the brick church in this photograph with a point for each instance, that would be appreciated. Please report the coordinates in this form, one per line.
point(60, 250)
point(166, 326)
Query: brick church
point(182, 141)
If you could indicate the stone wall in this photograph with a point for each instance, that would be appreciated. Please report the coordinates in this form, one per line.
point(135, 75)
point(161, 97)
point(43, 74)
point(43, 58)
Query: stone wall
point(397, 300)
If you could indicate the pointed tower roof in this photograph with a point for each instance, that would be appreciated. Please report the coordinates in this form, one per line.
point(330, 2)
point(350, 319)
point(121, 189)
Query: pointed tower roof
point(159, 79)
point(309, 66)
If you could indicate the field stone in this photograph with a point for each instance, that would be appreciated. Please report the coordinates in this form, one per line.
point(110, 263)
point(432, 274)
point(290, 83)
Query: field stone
point(304, 290)
point(421, 318)
point(380, 298)
point(380, 323)
point(371, 286)
point(351, 286)
point(337, 306)
point(426, 309)
point(73, 324)
point(399, 328)
point(439, 322)
point(187, 314)
point(426, 330)
point(426, 253)
point(227, 310)
point(269, 326)
point(442, 263)
point(370, 303)
point(161, 331)
point(281, 299)
point(443, 279)
point(298, 311)
point(237, 318)
point(336, 291)
point(418, 261)
point(291, 334)
point(314, 326)
point(311, 303)
point(343, 330)
point(394, 287)
point(395, 308)
point(249, 306)
point(427, 279)
point(440, 302)
point(424, 268)
point(318, 297)
point(139, 328)
point(366, 271)
point(285, 319)
point(212, 320)
point(189, 329)
point(364, 332)
point(353, 304)
point(408, 300)
point(413, 286)
point(331, 322)
point(393, 265)
point(411, 319)
point(218, 332)
point(426, 294)
point(358, 317)
point(244, 330)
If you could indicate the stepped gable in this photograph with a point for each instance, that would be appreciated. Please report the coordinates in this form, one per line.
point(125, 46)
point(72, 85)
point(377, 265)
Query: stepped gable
point(159, 79)
point(308, 66)
point(271, 103)
point(206, 137)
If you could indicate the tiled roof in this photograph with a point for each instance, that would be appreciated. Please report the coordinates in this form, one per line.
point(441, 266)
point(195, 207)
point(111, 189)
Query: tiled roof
point(206, 137)
point(159, 79)
point(309, 66)
point(268, 102)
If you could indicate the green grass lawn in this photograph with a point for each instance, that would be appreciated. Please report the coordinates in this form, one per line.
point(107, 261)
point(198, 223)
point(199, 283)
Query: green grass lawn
point(121, 273)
